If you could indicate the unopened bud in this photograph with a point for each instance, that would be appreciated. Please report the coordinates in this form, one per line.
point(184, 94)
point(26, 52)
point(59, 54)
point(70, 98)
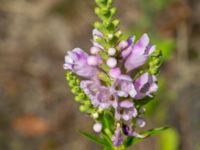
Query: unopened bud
point(97, 127)
point(111, 62)
point(111, 51)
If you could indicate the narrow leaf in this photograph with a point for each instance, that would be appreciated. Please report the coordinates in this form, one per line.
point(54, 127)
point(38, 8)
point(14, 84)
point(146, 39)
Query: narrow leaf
point(108, 121)
point(94, 138)
point(133, 140)
point(107, 140)
point(143, 102)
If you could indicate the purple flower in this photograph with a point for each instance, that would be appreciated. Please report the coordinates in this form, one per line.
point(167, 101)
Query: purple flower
point(138, 53)
point(126, 46)
point(123, 86)
point(140, 122)
point(125, 110)
point(76, 60)
point(145, 85)
point(104, 98)
point(128, 131)
point(100, 95)
point(117, 137)
point(90, 87)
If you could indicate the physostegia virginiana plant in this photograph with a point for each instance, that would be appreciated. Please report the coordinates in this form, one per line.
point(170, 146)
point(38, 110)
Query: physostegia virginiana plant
point(114, 82)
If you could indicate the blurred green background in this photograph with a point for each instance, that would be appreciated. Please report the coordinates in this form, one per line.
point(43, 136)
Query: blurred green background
point(37, 111)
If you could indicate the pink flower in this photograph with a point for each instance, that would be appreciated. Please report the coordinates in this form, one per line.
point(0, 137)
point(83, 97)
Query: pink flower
point(123, 86)
point(99, 95)
point(136, 55)
point(145, 85)
point(125, 110)
point(76, 61)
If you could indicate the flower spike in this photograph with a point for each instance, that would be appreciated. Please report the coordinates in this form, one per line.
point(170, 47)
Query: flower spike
point(114, 81)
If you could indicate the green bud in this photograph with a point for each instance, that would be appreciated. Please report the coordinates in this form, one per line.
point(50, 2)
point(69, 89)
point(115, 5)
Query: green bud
point(101, 2)
point(97, 25)
point(113, 11)
point(95, 115)
point(68, 73)
point(82, 95)
point(68, 78)
point(77, 81)
point(105, 11)
point(100, 110)
point(87, 102)
point(83, 108)
point(97, 10)
point(72, 83)
point(109, 2)
point(115, 22)
point(78, 99)
point(118, 34)
point(154, 71)
point(157, 53)
point(75, 90)
point(151, 64)
point(156, 61)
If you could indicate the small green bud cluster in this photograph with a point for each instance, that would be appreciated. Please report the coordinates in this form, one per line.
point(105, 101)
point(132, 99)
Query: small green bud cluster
point(108, 26)
point(155, 62)
point(80, 96)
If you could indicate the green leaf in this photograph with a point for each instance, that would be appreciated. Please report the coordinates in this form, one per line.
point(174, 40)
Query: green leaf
point(108, 121)
point(95, 139)
point(133, 140)
point(143, 102)
point(107, 139)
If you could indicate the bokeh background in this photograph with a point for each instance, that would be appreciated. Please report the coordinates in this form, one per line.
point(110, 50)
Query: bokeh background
point(37, 111)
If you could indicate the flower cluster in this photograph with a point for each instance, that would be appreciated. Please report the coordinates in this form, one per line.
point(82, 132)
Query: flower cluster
point(115, 88)
point(114, 81)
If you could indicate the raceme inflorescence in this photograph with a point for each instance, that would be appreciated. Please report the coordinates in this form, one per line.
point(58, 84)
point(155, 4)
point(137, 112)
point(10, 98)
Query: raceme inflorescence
point(114, 82)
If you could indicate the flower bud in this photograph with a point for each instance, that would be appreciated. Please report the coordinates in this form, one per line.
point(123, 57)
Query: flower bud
point(111, 62)
point(95, 115)
point(111, 51)
point(110, 36)
point(94, 50)
point(142, 110)
point(97, 127)
point(123, 44)
point(83, 108)
point(141, 123)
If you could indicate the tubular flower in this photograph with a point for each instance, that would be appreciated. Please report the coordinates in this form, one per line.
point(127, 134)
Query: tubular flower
point(76, 61)
point(128, 131)
point(117, 138)
point(123, 86)
point(100, 95)
point(138, 53)
point(125, 110)
point(145, 85)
